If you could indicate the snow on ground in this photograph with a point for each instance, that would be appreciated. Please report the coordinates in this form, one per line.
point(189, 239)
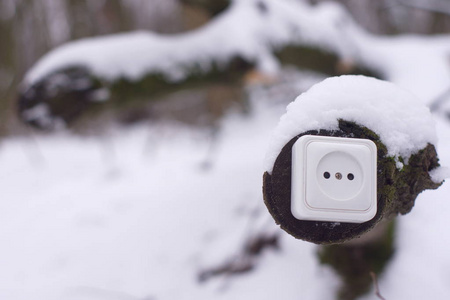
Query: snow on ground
point(138, 215)
point(421, 265)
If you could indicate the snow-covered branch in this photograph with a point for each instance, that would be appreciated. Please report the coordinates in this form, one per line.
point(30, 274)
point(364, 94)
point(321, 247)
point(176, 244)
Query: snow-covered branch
point(248, 35)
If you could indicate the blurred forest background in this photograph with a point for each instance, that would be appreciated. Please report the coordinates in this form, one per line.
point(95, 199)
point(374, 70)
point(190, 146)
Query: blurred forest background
point(29, 29)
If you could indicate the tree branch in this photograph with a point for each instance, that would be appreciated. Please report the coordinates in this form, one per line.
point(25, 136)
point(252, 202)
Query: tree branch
point(432, 6)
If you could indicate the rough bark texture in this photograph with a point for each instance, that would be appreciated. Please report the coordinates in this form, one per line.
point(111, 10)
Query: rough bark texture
point(397, 189)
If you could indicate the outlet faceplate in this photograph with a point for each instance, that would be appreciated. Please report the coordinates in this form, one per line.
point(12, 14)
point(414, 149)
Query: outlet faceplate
point(334, 179)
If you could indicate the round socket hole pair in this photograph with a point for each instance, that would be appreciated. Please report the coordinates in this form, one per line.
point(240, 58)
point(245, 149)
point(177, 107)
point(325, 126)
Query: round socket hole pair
point(338, 176)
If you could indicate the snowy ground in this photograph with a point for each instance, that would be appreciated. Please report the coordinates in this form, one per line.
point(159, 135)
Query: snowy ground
point(139, 213)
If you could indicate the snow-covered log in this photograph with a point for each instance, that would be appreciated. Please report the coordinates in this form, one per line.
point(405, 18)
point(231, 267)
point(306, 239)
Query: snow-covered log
point(124, 68)
point(357, 107)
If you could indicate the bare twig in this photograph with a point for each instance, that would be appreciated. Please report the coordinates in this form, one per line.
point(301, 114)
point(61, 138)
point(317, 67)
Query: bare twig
point(375, 284)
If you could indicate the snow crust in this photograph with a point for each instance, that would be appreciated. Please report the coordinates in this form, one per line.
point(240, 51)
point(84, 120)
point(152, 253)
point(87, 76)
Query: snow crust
point(404, 124)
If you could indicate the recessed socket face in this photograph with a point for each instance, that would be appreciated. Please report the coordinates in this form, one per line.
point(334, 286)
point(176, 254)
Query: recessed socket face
point(334, 179)
point(339, 176)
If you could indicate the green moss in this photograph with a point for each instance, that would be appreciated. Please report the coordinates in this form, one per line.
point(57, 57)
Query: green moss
point(317, 60)
point(308, 58)
point(154, 86)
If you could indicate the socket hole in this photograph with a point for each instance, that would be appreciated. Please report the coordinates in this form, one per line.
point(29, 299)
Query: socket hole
point(326, 175)
point(338, 176)
point(350, 176)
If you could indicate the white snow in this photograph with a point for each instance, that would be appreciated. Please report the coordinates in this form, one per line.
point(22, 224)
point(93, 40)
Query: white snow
point(419, 64)
point(402, 121)
point(440, 174)
point(136, 215)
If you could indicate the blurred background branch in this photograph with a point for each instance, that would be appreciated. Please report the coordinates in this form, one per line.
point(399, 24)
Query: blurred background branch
point(434, 6)
point(29, 29)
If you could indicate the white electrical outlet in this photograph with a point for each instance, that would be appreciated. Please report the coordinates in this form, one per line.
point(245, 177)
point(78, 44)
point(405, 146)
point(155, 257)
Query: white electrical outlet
point(334, 179)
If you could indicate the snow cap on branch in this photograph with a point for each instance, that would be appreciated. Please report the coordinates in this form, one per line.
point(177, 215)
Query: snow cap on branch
point(403, 123)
